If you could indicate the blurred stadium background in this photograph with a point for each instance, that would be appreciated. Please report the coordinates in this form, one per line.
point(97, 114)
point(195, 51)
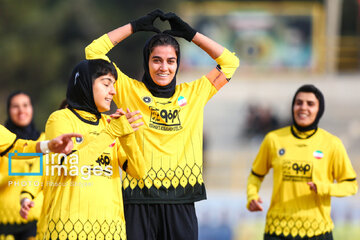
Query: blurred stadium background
point(281, 45)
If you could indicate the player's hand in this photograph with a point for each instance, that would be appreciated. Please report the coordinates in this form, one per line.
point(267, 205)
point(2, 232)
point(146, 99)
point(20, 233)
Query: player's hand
point(255, 205)
point(179, 28)
point(132, 117)
point(146, 22)
point(312, 186)
point(26, 205)
point(63, 143)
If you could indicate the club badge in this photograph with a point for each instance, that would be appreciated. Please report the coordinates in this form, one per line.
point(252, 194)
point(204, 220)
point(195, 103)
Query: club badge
point(147, 99)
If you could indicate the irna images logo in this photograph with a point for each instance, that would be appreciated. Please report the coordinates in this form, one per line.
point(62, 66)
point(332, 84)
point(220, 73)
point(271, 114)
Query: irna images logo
point(61, 164)
point(14, 155)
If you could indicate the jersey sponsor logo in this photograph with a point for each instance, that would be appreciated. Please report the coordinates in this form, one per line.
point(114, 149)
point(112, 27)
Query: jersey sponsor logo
point(147, 99)
point(165, 119)
point(301, 168)
point(182, 101)
point(297, 171)
point(318, 154)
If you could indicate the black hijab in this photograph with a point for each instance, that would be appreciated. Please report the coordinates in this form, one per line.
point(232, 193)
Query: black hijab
point(160, 39)
point(28, 132)
point(309, 88)
point(79, 93)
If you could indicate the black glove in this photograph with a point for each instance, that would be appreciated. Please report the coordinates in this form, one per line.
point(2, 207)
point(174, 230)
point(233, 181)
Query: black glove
point(179, 28)
point(145, 23)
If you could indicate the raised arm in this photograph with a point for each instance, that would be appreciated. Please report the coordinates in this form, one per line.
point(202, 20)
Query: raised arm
point(99, 47)
point(227, 61)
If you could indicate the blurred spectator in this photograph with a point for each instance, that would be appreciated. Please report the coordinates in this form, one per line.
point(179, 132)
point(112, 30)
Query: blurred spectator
point(259, 121)
point(20, 122)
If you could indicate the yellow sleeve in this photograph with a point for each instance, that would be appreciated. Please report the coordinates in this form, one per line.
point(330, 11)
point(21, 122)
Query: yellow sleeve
point(220, 76)
point(228, 63)
point(135, 162)
point(262, 162)
point(9, 143)
point(30, 190)
point(92, 147)
point(99, 48)
point(4, 179)
point(260, 168)
point(343, 173)
point(253, 188)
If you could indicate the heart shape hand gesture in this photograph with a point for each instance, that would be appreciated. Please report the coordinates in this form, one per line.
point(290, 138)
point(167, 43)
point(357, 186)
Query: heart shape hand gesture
point(179, 28)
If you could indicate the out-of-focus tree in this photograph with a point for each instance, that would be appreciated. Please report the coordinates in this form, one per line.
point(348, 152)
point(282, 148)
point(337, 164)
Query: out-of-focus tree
point(42, 40)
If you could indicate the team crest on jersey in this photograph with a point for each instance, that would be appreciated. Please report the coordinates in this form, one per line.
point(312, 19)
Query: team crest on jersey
point(182, 101)
point(281, 152)
point(147, 99)
point(79, 140)
point(318, 154)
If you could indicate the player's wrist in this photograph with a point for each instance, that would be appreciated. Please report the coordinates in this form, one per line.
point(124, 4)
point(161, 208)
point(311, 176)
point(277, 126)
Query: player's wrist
point(24, 200)
point(44, 147)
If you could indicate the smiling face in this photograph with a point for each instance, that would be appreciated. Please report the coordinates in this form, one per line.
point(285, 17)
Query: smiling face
point(21, 111)
point(103, 89)
point(163, 64)
point(306, 107)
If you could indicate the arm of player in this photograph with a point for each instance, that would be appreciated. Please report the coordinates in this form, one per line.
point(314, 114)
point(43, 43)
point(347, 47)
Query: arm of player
point(134, 163)
point(99, 47)
point(260, 168)
point(253, 187)
point(92, 146)
point(227, 61)
point(9, 143)
point(343, 173)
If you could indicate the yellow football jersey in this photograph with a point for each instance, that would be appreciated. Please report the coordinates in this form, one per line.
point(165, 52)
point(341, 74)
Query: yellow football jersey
point(82, 191)
point(294, 208)
point(12, 186)
point(172, 138)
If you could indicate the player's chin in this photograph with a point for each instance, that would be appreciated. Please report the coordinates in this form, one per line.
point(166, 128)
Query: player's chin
point(104, 108)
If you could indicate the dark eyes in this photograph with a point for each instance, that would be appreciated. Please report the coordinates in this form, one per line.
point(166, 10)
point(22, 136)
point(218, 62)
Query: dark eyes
point(308, 103)
point(159, 61)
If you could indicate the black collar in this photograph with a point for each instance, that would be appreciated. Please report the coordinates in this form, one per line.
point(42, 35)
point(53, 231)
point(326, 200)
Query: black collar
point(83, 119)
point(297, 136)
